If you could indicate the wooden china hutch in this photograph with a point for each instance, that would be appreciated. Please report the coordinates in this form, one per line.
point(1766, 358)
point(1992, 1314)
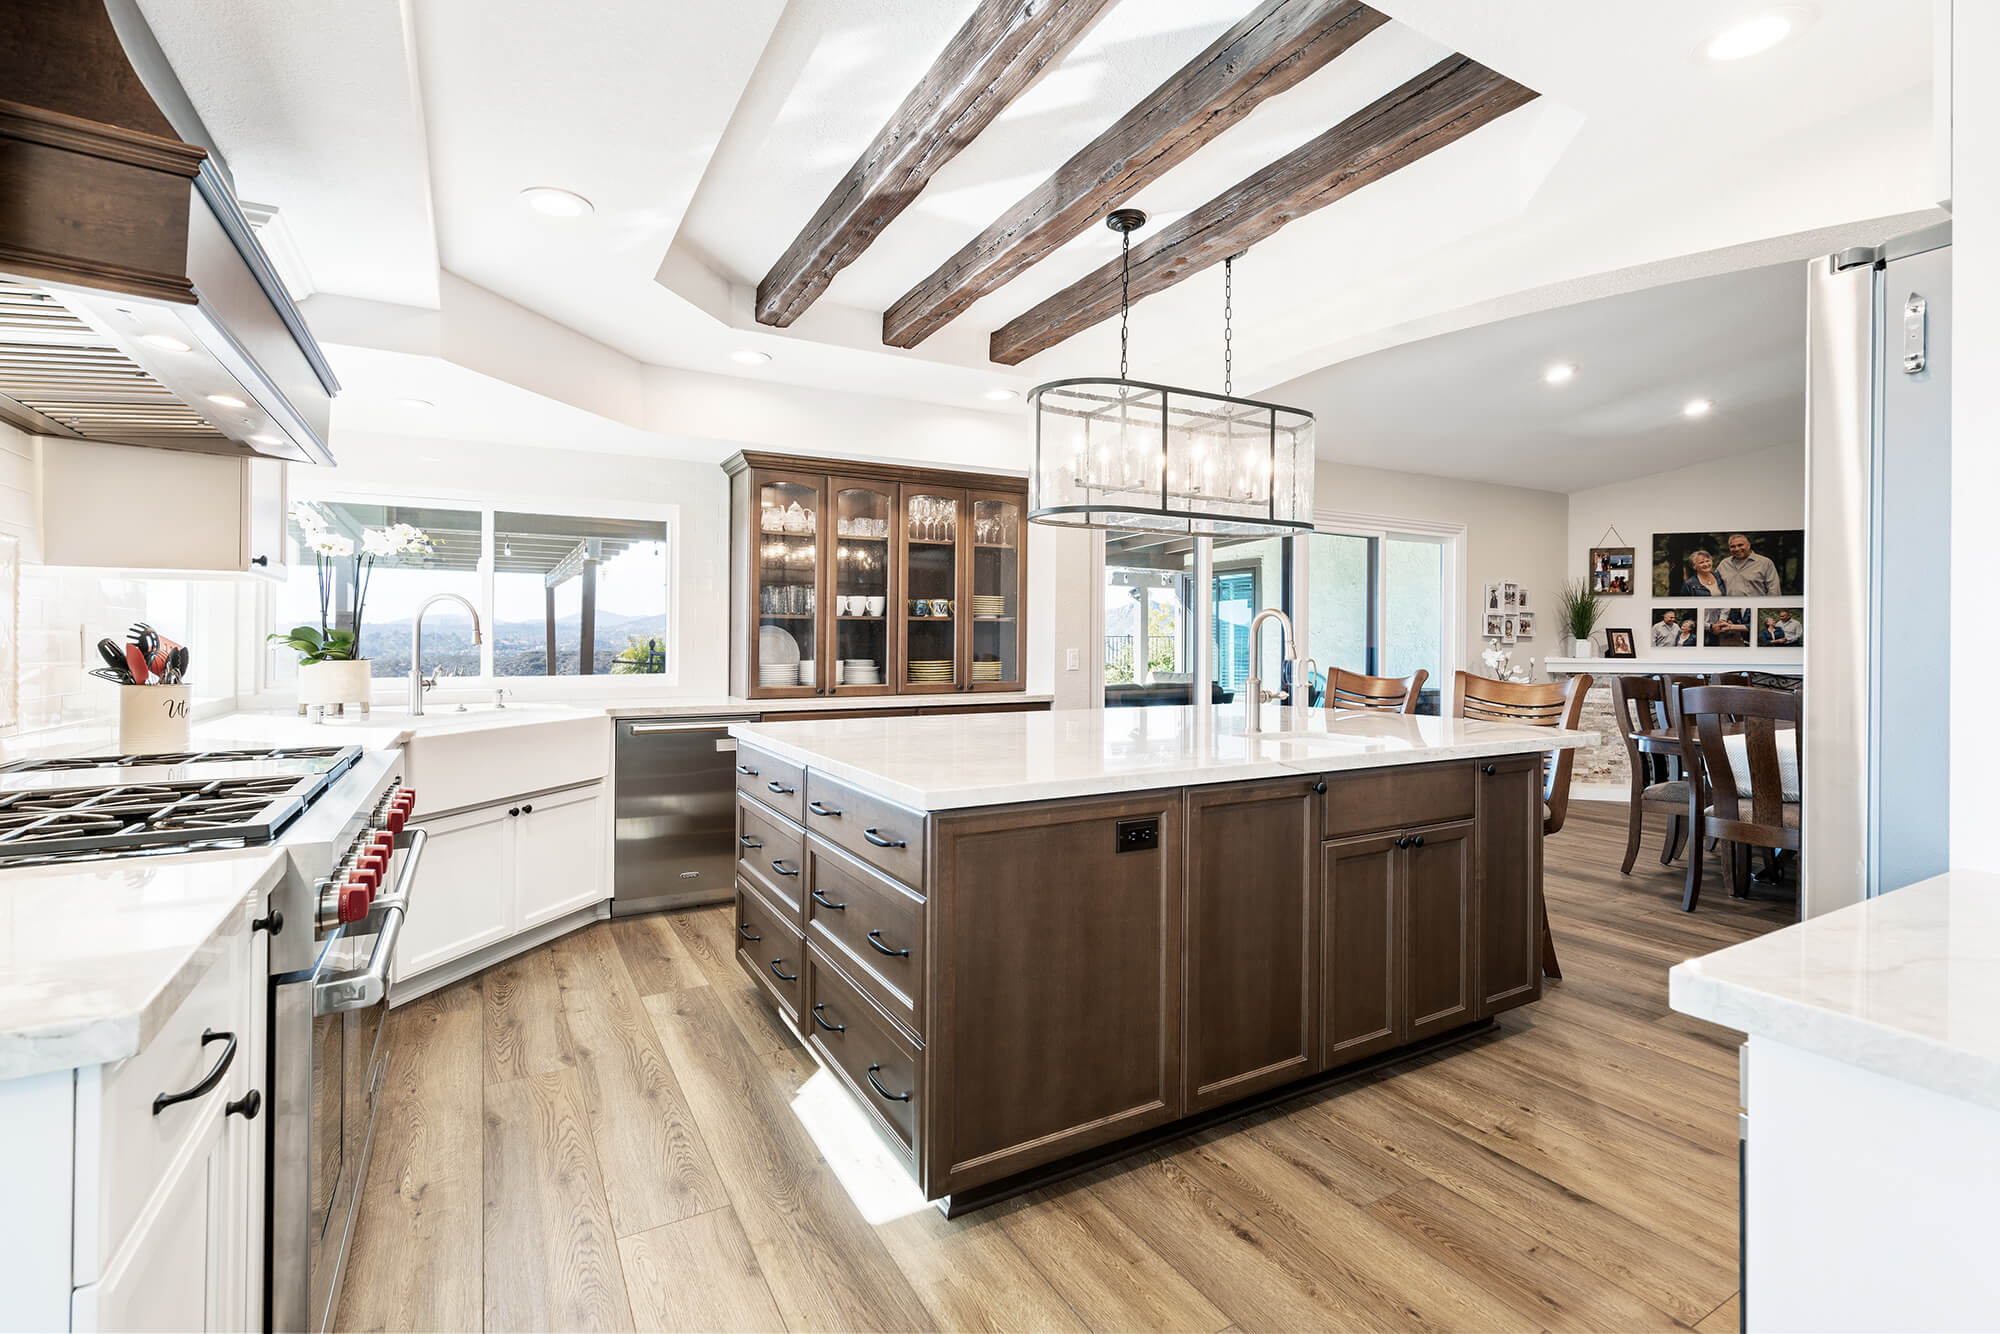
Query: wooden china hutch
point(854, 579)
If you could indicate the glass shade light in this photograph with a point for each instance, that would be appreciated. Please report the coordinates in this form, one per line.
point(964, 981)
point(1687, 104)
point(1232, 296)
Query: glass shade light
point(1123, 454)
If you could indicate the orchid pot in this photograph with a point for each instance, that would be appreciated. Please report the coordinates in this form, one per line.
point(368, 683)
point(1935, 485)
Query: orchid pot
point(332, 668)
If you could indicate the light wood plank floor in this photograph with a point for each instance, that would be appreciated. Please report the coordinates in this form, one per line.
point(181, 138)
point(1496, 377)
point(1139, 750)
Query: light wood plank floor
point(614, 1132)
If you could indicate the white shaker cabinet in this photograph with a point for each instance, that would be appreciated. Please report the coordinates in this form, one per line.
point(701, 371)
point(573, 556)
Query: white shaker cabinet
point(496, 871)
point(122, 507)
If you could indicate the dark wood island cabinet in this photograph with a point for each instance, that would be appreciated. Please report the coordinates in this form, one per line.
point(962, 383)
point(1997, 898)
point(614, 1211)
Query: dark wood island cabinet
point(1014, 990)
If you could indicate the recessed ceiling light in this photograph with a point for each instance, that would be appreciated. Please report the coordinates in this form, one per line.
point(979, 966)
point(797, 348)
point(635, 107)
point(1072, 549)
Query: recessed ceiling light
point(1751, 37)
point(227, 401)
point(164, 342)
point(416, 404)
point(1560, 373)
point(1697, 407)
point(1001, 395)
point(747, 356)
point(554, 203)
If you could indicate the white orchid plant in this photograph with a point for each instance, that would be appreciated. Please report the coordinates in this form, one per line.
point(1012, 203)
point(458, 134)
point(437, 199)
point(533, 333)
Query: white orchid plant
point(330, 642)
point(1500, 663)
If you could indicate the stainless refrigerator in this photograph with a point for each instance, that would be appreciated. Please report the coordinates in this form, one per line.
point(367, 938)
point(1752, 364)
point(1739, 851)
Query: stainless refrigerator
point(1876, 772)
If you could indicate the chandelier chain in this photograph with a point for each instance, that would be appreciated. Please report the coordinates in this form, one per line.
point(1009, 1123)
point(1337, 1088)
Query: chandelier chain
point(1228, 351)
point(1124, 305)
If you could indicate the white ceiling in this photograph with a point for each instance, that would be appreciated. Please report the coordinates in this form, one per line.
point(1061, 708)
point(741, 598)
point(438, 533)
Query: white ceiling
point(394, 138)
point(1474, 405)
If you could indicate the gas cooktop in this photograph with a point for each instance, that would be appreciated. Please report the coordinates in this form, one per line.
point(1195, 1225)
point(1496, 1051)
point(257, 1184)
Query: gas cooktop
point(125, 805)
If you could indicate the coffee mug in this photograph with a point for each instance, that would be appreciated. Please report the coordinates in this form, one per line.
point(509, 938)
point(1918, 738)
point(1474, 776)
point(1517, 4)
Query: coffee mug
point(919, 607)
point(876, 605)
point(850, 606)
point(940, 607)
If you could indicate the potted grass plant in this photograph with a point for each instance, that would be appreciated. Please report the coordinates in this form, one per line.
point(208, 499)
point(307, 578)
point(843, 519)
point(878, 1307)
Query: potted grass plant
point(332, 667)
point(1578, 608)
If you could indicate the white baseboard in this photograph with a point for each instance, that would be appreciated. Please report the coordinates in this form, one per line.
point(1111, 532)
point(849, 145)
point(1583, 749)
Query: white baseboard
point(1617, 792)
point(423, 984)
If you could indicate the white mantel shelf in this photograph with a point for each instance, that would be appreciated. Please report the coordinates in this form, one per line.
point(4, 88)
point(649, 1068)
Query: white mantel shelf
point(1691, 664)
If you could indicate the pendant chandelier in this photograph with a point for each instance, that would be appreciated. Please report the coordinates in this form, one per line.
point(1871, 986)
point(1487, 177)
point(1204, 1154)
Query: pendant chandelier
point(1132, 456)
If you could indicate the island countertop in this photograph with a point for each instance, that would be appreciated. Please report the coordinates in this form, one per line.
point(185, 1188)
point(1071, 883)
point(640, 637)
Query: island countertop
point(945, 762)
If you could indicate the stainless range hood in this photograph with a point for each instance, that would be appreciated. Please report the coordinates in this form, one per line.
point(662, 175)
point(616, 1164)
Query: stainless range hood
point(136, 306)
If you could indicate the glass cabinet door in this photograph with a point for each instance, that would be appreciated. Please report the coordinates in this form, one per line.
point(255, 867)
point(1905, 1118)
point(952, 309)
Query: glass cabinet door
point(995, 538)
point(785, 656)
point(931, 522)
point(864, 588)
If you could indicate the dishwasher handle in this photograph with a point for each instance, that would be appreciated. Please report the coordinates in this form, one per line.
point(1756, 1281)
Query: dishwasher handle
point(711, 725)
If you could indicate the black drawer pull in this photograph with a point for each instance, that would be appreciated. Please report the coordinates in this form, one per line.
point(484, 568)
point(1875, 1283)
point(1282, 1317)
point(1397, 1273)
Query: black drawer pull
point(246, 1106)
point(892, 1097)
point(209, 1080)
point(882, 842)
point(875, 939)
point(831, 1028)
point(779, 867)
point(780, 788)
point(743, 930)
point(825, 902)
point(1488, 769)
point(747, 770)
point(819, 809)
point(749, 842)
point(788, 977)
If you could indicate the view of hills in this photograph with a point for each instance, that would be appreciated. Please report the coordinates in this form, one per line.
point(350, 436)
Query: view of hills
point(520, 648)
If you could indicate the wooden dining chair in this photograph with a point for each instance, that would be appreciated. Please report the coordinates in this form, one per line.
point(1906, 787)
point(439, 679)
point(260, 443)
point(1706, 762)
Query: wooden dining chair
point(1641, 707)
point(1395, 694)
point(1538, 704)
point(1763, 818)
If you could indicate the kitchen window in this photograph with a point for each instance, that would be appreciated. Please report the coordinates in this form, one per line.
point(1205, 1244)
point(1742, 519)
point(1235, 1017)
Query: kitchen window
point(560, 595)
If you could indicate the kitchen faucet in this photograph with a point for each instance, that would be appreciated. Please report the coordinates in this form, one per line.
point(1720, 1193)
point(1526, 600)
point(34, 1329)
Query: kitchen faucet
point(418, 685)
point(1254, 694)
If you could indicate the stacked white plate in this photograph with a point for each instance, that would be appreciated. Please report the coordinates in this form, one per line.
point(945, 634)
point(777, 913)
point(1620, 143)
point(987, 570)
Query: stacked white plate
point(931, 671)
point(986, 669)
point(989, 604)
point(777, 673)
point(860, 672)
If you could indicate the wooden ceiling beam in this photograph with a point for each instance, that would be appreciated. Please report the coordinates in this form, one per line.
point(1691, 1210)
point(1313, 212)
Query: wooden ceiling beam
point(1276, 46)
point(1440, 106)
point(986, 65)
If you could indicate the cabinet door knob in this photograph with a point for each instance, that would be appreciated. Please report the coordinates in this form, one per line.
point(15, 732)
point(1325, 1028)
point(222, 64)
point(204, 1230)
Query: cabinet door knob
point(246, 1106)
point(274, 923)
point(1403, 842)
point(527, 810)
point(1319, 786)
point(259, 560)
point(1417, 841)
point(513, 810)
point(1488, 769)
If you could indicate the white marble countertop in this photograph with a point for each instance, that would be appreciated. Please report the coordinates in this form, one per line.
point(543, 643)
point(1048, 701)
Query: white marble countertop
point(71, 996)
point(1695, 661)
point(684, 706)
point(1905, 985)
point(944, 763)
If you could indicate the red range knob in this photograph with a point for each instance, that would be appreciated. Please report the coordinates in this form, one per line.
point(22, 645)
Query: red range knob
point(375, 868)
point(383, 843)
point(365, 872)
point(407, 799)
point(395, 819)
point(353, 902)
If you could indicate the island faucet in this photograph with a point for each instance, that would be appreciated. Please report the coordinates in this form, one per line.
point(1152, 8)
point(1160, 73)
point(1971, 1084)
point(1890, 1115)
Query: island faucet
point(418, 685)
point(1254, 694)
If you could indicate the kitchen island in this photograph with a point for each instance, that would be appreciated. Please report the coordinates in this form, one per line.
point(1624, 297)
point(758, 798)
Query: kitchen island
point(1028, 941)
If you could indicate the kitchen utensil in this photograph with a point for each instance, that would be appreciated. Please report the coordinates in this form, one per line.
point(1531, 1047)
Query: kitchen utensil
point(145, 637)
point(177, 662)
point(114, 657)
point(117, 678)
point(135, 663)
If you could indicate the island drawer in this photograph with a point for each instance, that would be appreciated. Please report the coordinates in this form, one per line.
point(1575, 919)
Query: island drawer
point(771, 853)
point(777, 783)
point(866, 1049)
point(886, 836)
point(872, 924)
point(1377, 799)
point(770, 950)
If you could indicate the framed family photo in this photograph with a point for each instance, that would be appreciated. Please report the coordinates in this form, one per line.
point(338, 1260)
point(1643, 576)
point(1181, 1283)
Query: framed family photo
point(1730, 563)
point(1725, 627)
point(1611, 571)
point(1781, 627)
point(1524, 625)
point(1620, 644)
point(1675, 627)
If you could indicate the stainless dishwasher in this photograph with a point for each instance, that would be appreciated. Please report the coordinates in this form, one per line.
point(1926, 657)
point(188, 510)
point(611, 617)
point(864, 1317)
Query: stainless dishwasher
point(675, 804)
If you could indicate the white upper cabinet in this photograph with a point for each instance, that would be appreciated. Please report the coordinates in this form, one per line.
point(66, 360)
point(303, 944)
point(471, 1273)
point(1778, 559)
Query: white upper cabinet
point(119, 507)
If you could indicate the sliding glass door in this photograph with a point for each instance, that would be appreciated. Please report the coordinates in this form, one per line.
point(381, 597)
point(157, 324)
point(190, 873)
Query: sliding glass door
point(1149, 620)
point(1378, 604)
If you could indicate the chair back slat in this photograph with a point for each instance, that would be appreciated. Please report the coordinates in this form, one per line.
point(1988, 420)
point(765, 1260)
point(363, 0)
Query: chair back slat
point(1707, 713)
point(1537, 704)
point(1353, 690)
point(1640, 705)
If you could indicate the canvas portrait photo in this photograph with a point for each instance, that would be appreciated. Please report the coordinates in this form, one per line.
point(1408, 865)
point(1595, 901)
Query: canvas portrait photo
point(1725, 627)
point(1674, 627)
point(1781, 627)
point(1733, 563)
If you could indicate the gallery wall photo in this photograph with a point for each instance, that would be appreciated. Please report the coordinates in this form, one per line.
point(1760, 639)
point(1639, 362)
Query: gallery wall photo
point(1734, 563)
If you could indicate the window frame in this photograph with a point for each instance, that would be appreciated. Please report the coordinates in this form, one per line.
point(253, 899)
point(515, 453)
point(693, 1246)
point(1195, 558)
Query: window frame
point(487, 504)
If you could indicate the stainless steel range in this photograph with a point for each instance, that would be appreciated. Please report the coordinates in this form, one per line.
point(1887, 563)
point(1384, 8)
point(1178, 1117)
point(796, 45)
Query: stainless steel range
point(338, 813)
